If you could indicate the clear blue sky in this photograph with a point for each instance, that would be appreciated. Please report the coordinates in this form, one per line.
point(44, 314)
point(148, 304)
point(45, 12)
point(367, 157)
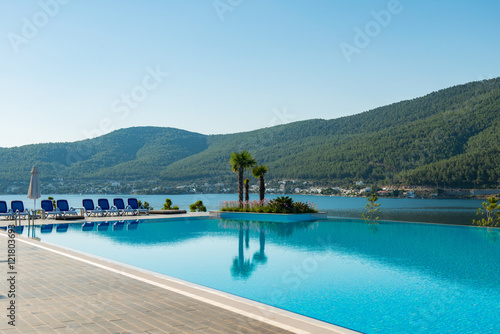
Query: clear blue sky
point(77, 69)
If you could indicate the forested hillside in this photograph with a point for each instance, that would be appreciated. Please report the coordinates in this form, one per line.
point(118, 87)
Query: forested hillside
point(448, 137)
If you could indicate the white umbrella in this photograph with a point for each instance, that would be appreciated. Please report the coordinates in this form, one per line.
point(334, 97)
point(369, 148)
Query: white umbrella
point(34, 190)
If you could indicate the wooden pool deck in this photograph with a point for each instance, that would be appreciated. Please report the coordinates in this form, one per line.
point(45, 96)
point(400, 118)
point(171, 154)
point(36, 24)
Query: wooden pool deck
point(61, 291)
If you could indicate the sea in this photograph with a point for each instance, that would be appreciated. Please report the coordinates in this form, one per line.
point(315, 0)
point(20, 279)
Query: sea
point(438, 211)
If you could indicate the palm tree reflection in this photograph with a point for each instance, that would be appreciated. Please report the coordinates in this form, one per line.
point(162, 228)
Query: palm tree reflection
point(260, 256)
point(242, 268)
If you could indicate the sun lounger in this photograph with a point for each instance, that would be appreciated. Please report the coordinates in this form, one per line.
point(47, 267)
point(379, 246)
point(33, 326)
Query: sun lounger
point(108, 210)
point(124, 210)
point(134, 204)
point(90, 209)
point(18, 209)
point(4, 210)
point(48, 209)
point(64, 209)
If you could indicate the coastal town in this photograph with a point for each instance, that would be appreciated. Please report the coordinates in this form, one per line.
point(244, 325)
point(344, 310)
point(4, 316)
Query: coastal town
point(154, 187)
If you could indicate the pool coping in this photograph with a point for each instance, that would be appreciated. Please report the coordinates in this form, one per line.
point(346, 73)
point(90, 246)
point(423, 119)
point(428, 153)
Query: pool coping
point(273, 217)
point(264, 313)
point(38, 222)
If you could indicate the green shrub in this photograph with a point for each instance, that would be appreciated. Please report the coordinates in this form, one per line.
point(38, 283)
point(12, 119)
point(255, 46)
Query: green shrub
point(372, 210)
point(168, 205)
point(145, 205)
point(491, 209)
point(283, 204)
point(197, 206)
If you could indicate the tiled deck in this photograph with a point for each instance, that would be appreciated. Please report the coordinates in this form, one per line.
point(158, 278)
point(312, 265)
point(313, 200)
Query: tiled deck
point(60, 291)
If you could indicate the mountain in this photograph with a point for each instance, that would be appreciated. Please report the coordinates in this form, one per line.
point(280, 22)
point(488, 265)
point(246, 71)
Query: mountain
point(448, 137)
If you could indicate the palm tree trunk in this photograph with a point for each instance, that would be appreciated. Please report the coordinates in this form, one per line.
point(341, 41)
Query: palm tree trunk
point(240, 185)
point(262, 188)
point(247, 190)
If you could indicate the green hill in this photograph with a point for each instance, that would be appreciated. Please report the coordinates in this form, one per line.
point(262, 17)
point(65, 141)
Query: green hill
point(447, 137)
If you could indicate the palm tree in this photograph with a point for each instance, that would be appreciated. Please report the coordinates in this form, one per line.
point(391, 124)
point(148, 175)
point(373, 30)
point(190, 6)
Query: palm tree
point(259, 173)
point(247, 186)
point(239, 162)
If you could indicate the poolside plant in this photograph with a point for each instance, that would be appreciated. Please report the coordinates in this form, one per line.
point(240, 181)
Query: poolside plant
point(239, 162)
point(259, 172)
point(168, 205)
point(372, 208)
point(145, 205)
point(278, 205)
point(197, 207)
point(490, 209)
point(281, 204)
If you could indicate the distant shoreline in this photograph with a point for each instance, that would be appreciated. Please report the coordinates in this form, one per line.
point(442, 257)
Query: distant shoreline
point(493, 192)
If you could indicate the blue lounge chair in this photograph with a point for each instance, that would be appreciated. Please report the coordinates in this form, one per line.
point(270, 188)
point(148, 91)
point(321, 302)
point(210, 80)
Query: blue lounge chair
point(18, 209)
point(4, 210)
point(48, 208)
point(64, 209)
point(90, 209)
point(124, 210)
point(108, 210)
point(134, 204)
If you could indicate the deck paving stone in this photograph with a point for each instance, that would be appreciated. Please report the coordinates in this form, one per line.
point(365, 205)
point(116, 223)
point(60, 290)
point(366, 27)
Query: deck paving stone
point(159, 331)
point(48, 320)
point(45, 329)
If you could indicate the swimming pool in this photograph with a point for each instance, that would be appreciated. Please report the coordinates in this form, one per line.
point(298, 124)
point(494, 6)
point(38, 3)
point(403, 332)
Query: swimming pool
point(384, 278)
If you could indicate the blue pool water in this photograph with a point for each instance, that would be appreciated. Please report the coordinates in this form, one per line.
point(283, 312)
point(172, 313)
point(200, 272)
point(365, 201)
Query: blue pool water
point(384, 278)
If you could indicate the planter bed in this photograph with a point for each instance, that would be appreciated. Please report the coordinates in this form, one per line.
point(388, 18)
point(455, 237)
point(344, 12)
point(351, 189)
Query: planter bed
point(271, 217)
